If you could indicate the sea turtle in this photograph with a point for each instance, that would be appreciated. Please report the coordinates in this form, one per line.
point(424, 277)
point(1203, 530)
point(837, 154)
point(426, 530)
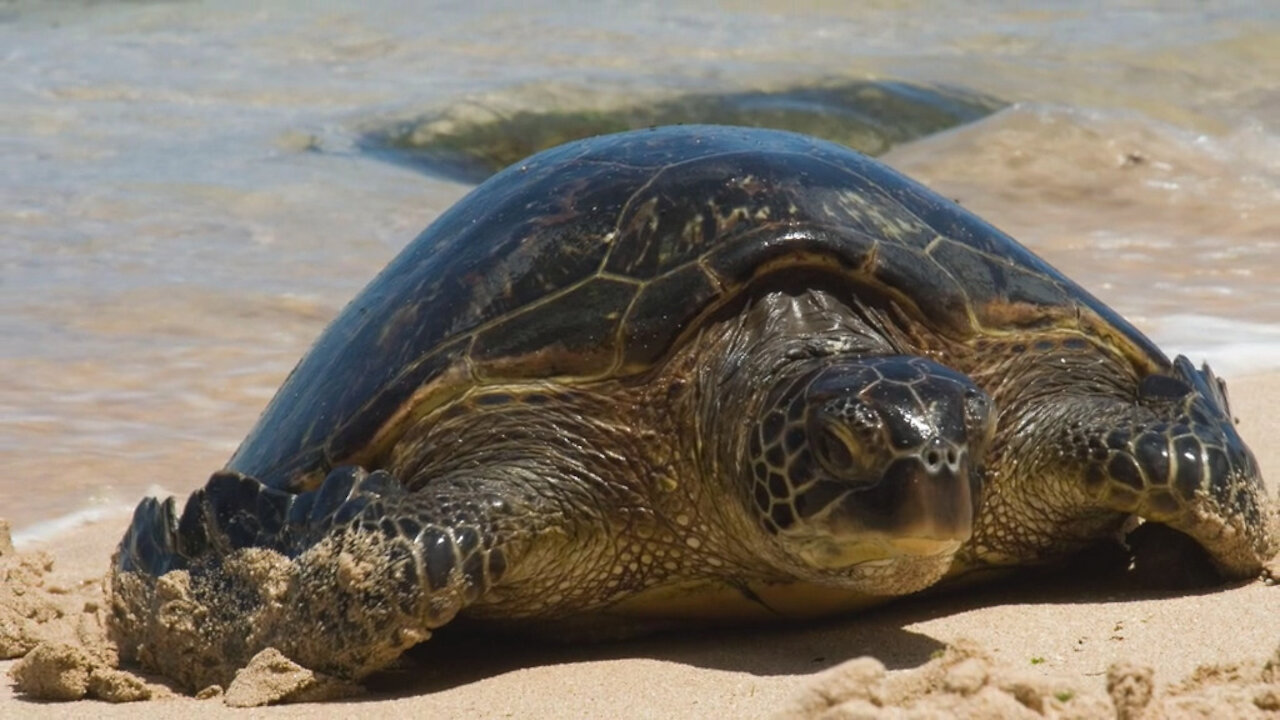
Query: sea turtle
point(680, 374)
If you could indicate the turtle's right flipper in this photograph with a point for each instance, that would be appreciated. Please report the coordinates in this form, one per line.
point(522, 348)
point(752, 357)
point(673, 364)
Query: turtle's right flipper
point(341, 579)
point(234, 511)
point(150, 544)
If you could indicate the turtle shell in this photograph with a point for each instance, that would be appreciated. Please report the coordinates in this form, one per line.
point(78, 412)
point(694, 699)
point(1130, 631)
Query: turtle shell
point(595, 259)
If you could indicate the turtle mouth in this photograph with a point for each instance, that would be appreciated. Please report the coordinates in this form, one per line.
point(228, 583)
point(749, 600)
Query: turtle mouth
point(831, 553)
point(925, 504)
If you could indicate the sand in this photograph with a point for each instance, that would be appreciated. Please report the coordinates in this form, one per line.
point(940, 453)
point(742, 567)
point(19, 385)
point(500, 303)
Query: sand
point(1050, 645)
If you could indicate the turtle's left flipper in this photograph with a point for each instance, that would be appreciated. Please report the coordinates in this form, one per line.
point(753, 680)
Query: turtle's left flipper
point(1228, 511)
point(1166, 451)
point(1176, 459)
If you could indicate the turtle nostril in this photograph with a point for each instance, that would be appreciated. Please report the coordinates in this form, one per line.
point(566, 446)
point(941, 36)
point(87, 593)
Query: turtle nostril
point(940, 456)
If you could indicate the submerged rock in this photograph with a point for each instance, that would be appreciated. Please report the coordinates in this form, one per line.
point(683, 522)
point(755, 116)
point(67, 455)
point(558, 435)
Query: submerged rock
point(474, 139)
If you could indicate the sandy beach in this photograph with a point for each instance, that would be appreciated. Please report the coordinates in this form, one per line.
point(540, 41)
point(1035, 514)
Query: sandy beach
point(189, 195)
point(1051, 645)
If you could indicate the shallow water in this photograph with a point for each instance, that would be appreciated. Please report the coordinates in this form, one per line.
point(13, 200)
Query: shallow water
point(183, 204)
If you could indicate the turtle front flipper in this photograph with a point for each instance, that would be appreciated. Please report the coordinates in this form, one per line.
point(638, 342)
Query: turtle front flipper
point(234, 511)
point(1190, 470)
point(341, 579)
point(1168, 453)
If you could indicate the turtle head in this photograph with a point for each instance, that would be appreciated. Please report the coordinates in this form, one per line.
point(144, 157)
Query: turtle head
point(871, 459)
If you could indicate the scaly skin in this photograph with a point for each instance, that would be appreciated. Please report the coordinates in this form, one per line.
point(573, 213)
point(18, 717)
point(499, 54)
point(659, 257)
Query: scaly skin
point(619, 508)
point(1083, 445)
point(542, 411)
point(607, 509)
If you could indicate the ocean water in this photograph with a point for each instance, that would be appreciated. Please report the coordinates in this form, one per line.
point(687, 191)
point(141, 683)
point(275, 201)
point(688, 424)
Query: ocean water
point(184, 203)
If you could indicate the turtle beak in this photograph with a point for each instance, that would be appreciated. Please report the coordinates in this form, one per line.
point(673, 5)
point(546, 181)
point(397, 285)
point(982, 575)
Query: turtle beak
point(927, 497)
point(925, 504)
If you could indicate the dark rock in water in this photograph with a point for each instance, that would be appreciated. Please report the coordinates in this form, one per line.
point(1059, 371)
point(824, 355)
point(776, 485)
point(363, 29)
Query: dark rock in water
point(473, 140)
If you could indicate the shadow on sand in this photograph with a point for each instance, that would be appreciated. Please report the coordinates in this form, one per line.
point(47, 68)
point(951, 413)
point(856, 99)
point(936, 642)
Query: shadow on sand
point(1101, 575)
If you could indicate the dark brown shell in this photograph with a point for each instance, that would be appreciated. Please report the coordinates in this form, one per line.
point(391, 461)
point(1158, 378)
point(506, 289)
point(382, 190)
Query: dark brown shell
point(592, 260)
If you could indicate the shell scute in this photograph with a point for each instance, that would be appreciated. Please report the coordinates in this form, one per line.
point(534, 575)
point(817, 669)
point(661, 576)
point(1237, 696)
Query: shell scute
point(595, 259)
point(651, 326)
point(569, 334)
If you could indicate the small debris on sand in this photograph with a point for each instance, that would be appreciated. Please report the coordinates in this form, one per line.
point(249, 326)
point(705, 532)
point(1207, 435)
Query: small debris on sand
point(56, 628)
point(965, 682)
point(272, 678)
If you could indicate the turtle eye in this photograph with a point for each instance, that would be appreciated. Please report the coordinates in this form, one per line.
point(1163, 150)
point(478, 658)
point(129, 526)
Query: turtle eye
point(832, 451)
point(847, 451)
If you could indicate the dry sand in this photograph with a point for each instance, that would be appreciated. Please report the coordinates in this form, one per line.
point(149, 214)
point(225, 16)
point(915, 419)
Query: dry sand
point(1054, 645)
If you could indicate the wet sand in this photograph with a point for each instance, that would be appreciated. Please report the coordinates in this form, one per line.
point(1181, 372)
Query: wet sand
point(1051, 644)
